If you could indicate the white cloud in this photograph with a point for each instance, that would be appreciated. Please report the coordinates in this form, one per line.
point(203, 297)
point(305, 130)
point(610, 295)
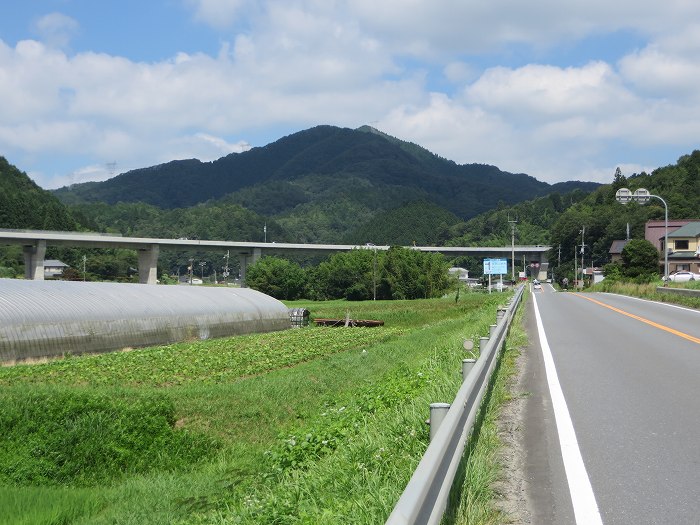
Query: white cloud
point(56, 29)
point(410, 66)
point(216, 13)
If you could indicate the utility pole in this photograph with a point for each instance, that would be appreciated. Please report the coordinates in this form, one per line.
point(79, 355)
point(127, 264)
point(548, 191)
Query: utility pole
point(558, 263)
point(512, 248)
point(190, 269)
point(583, 246)
point(228, 252)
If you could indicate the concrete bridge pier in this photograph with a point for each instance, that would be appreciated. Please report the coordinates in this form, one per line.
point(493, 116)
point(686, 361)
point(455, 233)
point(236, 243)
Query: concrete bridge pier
point(148, 264)
point(248, 259)
point(34, 260)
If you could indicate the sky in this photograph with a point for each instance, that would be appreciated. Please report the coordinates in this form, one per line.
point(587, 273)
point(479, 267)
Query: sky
point(558, 90)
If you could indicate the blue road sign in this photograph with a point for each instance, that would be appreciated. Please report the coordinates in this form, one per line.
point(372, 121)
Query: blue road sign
point(495, 266)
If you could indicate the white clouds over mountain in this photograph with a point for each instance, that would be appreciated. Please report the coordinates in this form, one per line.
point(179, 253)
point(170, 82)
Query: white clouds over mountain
point(556, 90)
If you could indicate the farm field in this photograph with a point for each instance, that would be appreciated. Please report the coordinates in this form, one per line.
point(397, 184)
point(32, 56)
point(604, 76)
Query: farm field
point(309, 425)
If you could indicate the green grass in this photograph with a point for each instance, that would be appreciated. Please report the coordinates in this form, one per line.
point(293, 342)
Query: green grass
point(476, 501)
point(648, 291)
point(315, 425)
point(46, 505)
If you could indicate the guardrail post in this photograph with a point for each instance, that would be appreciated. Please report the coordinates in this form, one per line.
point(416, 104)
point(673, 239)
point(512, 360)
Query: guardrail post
point(492, 330)
point(483, 341)
point(438, 411)
point(467, 365)
point(500, 314)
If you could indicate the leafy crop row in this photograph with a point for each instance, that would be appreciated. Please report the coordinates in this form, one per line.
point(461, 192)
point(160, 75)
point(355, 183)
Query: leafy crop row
point(217, 361)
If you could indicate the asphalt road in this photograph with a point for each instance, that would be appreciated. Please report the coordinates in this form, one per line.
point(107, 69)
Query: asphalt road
point(627, 373)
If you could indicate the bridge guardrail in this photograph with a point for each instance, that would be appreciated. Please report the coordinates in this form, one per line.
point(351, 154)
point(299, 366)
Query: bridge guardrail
point(424, 499)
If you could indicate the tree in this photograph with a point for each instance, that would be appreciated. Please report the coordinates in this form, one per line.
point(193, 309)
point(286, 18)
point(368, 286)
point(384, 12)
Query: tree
point(619, 180)
point(412, 274)
point(277, 277)
point(349, 275)
point(640, 260)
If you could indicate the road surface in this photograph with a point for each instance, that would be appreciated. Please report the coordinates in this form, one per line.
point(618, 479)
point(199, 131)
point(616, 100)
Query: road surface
point(612, 421)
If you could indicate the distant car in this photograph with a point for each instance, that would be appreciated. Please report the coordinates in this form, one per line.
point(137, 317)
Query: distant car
point(536, 285)
point(682, 276)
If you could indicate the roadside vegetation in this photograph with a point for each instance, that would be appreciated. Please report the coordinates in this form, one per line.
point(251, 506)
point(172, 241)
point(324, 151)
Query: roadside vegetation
point(479, 500)
point(649, 291)
point(310, 425)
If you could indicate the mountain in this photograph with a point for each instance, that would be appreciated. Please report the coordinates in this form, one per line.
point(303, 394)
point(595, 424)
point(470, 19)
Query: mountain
point(24, 205)
point(361, 171)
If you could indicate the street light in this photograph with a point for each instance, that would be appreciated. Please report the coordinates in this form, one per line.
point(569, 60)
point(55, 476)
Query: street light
point(642, 196)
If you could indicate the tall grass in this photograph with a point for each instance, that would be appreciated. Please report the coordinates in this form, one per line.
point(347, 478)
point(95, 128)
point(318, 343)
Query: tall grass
point(648, 291)
point(476, 502)
point(330, 438)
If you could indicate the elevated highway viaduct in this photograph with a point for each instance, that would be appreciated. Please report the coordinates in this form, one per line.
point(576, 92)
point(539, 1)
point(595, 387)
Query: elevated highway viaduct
point(34, 243)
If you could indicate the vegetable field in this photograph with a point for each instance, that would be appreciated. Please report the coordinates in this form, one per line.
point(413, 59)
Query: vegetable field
point(309, 425)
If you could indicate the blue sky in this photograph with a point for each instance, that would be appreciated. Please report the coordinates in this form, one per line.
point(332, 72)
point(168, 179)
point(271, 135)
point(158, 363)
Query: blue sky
point(558, 90)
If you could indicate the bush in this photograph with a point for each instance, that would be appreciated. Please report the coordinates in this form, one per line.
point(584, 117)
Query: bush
point(640, 260)
point(58, 436)
point(6, 272)
point(277, 277)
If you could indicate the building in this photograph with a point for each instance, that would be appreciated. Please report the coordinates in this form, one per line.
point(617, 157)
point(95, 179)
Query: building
point(684, 248)
point(54, 268)
point(654, 230)
point(462, 275)
point(615, 250)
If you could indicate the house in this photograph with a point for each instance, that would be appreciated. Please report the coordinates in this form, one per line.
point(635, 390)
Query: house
point(684, 248)
point(54, 268)
point(615, 250)
point(462, 275)
point(594, 275)
point(654, 230)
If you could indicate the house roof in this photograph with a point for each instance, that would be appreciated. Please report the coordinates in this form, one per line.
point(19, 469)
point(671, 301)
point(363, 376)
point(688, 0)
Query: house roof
point(692, 229)
point(683, 255)
point(54, 263)
point(617, 246)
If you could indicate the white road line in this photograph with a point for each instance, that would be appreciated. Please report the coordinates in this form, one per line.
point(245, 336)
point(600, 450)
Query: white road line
point(582, 497)
point(670, 305)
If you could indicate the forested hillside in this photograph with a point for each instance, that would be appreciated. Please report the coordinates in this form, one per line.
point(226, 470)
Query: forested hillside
point(355, 210)
point(24, 205)
point(361, 171)
point(605, 219)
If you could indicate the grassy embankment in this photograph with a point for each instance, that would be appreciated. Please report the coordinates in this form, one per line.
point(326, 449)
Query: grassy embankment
point(316, 425)
point(648, 291)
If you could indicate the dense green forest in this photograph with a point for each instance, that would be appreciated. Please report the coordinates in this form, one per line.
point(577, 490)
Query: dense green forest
point(396, 204)
point(24, 205)
point(356, 171)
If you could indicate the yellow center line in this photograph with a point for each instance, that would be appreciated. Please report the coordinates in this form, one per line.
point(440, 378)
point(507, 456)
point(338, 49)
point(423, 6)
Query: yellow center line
point(642, 319)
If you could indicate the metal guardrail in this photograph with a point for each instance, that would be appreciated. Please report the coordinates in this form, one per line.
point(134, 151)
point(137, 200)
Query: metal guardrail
point(424, 499)
point(678, 291)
